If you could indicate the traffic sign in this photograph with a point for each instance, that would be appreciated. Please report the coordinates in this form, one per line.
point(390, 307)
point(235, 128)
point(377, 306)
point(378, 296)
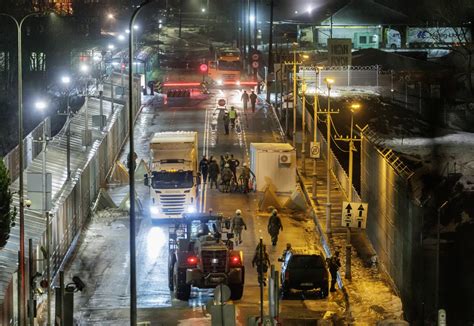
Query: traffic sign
point(354, 214)
point(255, 56)
point(315, 150)
point(221, 294)
point(255, 64)
point(203, 67)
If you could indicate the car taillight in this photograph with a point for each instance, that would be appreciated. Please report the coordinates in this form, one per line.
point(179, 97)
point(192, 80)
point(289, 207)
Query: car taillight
point(192, 260)
point(235, 260)
point(287, 276)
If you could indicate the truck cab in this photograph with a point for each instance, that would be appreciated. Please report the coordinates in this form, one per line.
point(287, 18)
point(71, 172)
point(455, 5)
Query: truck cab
point(173, 175)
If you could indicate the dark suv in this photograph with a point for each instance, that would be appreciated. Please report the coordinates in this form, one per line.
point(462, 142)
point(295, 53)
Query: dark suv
point(304, 269)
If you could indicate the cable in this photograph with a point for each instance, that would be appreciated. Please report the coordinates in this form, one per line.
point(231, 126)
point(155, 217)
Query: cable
point(335, 143)
point(334, 128)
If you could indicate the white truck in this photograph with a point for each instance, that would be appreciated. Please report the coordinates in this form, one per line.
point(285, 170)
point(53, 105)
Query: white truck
point(428, 37)
point(173, 174)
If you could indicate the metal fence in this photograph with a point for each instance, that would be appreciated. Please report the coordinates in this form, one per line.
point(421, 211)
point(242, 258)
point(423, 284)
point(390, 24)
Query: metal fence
point(343, 76)
point(71, 200)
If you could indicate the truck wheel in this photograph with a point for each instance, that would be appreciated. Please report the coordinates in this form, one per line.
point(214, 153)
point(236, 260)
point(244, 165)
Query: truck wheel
point(236, 291)
point(170, 278)
point(182, 291)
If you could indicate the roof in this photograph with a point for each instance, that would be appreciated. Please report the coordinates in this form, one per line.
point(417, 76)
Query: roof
point(173, 136)
point(366, 12)
point(272, 147)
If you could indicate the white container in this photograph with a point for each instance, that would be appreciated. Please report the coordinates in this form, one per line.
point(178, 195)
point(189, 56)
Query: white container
point(274, 164)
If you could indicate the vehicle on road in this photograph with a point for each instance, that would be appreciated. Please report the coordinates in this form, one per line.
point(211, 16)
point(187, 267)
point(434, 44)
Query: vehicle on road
point(226, 67)
point(173, 174)
point(305, 270)
point(201, 254)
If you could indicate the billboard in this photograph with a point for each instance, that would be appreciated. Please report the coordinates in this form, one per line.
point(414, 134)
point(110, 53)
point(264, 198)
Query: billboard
point(339, 51)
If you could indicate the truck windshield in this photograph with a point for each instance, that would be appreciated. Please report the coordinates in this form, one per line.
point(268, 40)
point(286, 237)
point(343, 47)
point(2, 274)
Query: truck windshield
point(229, 65)
point(171, 180)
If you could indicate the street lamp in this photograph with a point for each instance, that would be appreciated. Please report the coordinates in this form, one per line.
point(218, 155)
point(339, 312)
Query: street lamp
point(21, 267)
point(66, 80)
point(315, 126)
point(41, 106)
point(329, 83)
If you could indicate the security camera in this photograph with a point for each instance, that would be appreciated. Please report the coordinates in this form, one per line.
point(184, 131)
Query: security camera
point(27, 202)
point(79, 284)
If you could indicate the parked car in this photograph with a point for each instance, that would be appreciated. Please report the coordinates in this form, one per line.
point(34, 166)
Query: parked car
point(304, 269)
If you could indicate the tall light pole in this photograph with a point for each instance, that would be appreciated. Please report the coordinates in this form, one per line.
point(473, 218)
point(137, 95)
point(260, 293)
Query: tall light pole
point(294, 95)
point(21, 267)
point(131, 171)
point(66, 80)
point(440, 208)
point(303, 127)
point(329, 83)
point(315, 128)
point(41, 105)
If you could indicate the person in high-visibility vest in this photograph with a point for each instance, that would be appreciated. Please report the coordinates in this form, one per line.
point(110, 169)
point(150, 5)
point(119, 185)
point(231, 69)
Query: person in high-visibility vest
point(232, 116)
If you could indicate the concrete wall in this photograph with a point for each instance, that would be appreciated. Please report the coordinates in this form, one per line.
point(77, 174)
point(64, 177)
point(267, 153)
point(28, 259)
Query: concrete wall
point(394, 226)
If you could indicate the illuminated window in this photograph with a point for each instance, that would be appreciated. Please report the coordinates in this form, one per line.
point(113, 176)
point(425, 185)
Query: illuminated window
point(4, 61)
point(37, 61)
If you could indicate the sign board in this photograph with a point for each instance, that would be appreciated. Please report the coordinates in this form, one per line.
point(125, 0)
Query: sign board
point(339, 51)
point(315, 150)
point(354, 214)
point(255, 64)
point(255, 56)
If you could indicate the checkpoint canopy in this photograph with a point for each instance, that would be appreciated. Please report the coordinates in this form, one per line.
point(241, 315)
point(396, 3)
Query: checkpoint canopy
point(274, 164)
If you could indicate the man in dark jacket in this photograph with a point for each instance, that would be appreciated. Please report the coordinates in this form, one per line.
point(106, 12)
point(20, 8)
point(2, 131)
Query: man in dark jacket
point(334, 264)
point(274, 226)
point(253, 100)
point(213, 173)
point(233, 164)
point(245, 99)
point(226, 120)
point(204, 168)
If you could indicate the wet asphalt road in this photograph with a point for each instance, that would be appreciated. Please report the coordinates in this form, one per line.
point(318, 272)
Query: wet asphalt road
point(102, 258)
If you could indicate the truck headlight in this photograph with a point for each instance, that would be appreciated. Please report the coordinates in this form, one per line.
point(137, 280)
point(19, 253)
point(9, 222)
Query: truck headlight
point(191, 209)
point(154, 210)
point(219, 82)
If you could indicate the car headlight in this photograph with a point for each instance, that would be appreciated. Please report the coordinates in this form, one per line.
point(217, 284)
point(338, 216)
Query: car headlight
point(191, 209)
point(219, 82)
point(154, 210)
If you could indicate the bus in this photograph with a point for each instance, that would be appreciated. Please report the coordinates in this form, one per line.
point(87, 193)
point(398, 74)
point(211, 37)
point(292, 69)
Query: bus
point(226, 68)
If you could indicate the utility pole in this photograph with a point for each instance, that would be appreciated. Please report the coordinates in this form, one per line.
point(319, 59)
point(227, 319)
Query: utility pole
point(260, 272)
point(294, 97)
point(329, 82)
point(270, 48)
point(255, 31)
point(303, 127)
point(354, 107)
point(180, 19)
point(315, 128)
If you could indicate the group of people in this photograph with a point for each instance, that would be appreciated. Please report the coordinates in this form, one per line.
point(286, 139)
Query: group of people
point(227, 170)
point(246, 98)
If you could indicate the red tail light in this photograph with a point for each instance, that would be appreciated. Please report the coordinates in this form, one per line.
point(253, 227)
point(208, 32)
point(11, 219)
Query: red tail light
point(235, 260)
point(192, 260)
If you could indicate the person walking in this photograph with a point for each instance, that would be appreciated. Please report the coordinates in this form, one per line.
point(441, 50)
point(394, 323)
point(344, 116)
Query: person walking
point(204, 168)
point(232, 116)
point(226, 177)
point(237, 224)
point(334, 264)
point(274, 226)
point(287, 249)
point(245, 99)
point(245, 176)
point(253, 100)
point(213, 173)
point(233, 164)
point(226, 122)
point(262, 263)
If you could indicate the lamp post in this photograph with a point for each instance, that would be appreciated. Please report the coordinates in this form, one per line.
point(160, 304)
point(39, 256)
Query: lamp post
point(303, 127)
point(440, 208)
point(315, 128)
point(328, 82)
point(66, 80)
point(294, 95)
point(41, 105)
point(131, 171)
point(21, 267)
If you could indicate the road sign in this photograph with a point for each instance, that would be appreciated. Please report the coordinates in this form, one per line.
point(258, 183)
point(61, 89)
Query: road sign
point(203, 67)
point(315, 150)
point(221, 294)
point(255, 56)
point(255, 64)
point(354, 214)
